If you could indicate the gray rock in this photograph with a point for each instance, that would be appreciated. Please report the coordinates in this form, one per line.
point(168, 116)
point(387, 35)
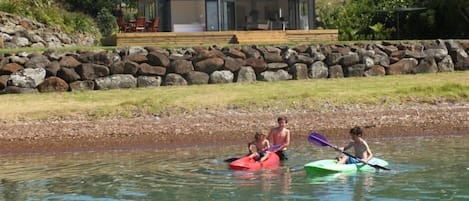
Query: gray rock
point(336, 71)
point(173, 79)
point(299, 71)
point(219, 77)
point(318, 70)
point(28, 77)
point(426, 65)
point(446, 65)
point(117, 81)
point(38, 61)
point(246, 74)
point(271, 76)
point(149, 81)
point(357, 70)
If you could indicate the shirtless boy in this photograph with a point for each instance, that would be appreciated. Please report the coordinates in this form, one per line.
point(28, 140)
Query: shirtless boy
point(280, 136)
point(261, 145)
point(362, 151)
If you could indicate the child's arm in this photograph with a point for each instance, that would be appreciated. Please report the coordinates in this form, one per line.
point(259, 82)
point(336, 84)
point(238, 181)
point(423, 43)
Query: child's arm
point(369, 154)
point(348, 146)
point(250, 148)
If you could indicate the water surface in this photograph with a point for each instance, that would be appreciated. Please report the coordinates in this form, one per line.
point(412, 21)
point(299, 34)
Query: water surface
point(423, 168)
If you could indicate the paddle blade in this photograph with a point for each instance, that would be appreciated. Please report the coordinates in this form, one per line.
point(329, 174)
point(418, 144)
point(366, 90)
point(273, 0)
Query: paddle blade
point(317, 139)
point(275, 147)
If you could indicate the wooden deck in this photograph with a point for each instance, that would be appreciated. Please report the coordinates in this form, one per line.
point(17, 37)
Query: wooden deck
point(225, 37)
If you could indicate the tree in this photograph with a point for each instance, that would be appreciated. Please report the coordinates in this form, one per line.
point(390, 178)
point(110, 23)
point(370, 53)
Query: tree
point(91, 7)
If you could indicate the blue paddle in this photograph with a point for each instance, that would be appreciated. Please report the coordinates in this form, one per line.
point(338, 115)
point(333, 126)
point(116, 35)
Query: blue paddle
point(320, 140)
point(272, 148)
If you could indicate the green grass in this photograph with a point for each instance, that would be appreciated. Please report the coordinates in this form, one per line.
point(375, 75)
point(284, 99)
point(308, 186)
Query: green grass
point(272, 96)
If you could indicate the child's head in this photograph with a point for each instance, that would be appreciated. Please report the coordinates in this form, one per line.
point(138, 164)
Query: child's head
point(356, 131)
point(259, 136)
point(282, 120)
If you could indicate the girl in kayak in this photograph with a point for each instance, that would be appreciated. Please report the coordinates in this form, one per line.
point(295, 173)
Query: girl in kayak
point(361, 148)
point(258, 148)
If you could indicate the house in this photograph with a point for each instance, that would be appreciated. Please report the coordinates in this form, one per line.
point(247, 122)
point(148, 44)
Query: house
point(229, 15)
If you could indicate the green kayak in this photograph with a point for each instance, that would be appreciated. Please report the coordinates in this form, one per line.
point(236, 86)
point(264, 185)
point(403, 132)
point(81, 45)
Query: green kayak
point(329, 166)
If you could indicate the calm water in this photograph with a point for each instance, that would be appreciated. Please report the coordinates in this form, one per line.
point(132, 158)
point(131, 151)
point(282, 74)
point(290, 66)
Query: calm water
point(423, 169)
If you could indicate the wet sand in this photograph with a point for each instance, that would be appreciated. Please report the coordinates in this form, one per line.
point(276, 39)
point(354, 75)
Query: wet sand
point(217, 128)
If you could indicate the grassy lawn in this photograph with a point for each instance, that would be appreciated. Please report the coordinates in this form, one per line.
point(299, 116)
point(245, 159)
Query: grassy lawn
point(304, 94)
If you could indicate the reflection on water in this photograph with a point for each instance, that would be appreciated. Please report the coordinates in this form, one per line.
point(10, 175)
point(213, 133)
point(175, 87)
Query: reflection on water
point(422, 169)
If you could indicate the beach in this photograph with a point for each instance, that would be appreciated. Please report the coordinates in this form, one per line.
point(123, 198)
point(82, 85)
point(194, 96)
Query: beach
point(227, 127)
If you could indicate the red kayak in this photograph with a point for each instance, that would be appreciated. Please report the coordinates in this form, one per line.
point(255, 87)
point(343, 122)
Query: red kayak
point(249, 164)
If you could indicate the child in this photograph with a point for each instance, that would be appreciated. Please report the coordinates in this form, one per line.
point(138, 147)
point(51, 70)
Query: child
point(280, 135)
point(362, 151)
point(261, 144)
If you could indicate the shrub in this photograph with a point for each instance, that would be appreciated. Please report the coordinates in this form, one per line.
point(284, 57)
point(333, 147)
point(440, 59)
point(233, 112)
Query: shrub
point(107, 22)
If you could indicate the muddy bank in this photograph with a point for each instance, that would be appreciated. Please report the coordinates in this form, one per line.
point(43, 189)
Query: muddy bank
point(229, 127)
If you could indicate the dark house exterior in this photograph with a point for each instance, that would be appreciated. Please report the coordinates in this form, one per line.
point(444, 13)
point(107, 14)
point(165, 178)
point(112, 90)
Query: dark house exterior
point(229, 15)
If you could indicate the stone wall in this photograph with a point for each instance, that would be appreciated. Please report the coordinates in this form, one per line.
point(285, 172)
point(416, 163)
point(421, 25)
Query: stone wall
point(18, 32)
point(132, 67)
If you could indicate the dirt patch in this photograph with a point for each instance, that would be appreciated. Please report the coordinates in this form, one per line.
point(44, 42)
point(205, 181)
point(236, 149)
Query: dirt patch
point(229, 127)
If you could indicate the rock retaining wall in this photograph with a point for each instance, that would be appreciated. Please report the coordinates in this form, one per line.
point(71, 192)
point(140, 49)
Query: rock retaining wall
point(18, 32)
point(53, 71)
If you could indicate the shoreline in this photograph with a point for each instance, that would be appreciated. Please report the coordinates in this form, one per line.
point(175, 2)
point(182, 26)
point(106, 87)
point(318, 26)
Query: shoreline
point(217, 128)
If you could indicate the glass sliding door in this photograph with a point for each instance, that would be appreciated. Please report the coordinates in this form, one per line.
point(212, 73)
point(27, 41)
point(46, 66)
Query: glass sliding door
point(303, 15)
point(164, 12)
point(188, 15)
point(213, 15)
point(229, 15)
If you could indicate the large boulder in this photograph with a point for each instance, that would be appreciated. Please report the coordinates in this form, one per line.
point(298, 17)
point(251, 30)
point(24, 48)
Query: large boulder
point(89, 71)
point(299, 71)
point(158, 59)
point(209, 65)
point(173, 79)
point(404, 66)
point(147, 69)
point(223, 76)
point(246, 74)
point(180, 67)
point(149, 81)
point(197, 77)
point(117, 81)
point(68, 74)
point(271, 76)
point(53, 84)
point(28, 77)
point(318, 70)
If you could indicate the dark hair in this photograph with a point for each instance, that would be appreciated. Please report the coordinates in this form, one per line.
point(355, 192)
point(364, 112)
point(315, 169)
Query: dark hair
point(282, 118)
point(357, 130)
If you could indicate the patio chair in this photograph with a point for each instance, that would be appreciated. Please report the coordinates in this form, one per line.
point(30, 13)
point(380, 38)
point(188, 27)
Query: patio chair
point(123, 26)
point(153, 27)
point(140, 24)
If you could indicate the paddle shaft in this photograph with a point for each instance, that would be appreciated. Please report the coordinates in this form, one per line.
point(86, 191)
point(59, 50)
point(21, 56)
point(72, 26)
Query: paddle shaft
point(350, 155)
